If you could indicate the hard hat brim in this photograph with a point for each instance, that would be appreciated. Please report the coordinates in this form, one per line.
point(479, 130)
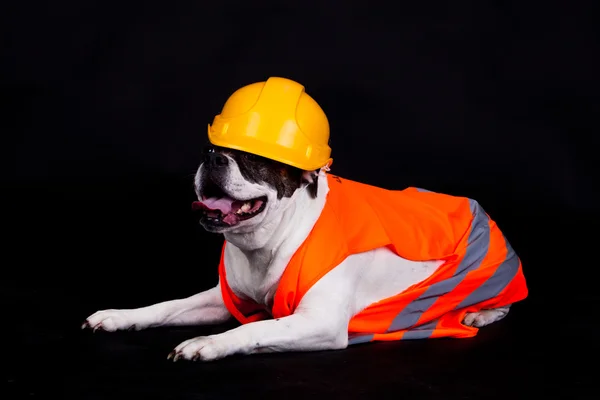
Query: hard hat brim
point(271, 151)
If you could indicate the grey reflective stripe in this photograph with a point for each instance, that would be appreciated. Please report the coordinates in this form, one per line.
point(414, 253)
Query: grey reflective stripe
point(503, 275)
point(360, 339)
point(477, 248)
point(423, 190)
point(421, 332)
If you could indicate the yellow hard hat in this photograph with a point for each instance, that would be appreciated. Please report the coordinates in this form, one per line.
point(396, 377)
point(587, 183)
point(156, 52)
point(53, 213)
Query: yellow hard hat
point(275, 119)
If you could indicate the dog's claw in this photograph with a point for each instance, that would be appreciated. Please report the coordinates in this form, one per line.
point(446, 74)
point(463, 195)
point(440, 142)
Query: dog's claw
point(97, 327)
point(131, 328)
point(171, 355)
point(85, 325)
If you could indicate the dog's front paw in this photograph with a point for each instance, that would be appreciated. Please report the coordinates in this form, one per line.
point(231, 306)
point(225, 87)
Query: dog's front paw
point(202, 348)
point(110, 321)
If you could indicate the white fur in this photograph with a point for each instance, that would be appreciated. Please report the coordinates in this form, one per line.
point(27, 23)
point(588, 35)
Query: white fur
point(257, 253)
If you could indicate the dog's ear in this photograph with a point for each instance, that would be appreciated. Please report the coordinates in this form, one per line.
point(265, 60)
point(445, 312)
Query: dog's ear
point(311, 178)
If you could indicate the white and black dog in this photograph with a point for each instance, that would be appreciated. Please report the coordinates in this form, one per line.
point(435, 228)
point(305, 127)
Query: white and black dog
point(265, 210)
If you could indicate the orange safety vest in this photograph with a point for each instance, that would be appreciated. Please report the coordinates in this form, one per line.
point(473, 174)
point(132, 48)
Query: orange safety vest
point(480, 269)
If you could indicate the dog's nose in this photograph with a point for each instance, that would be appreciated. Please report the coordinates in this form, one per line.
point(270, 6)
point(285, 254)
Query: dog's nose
point(215, 159)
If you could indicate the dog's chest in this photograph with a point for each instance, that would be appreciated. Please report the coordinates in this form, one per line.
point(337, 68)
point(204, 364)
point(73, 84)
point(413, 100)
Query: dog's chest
point(252, 278)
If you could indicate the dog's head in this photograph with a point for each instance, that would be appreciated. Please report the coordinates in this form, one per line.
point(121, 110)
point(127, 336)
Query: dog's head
point(239, 191)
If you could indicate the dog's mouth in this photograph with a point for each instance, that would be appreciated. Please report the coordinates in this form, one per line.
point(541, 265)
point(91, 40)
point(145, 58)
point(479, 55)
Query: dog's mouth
point(219, 208)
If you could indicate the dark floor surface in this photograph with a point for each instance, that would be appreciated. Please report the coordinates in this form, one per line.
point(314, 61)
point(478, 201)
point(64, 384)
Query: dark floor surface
point(73, 251)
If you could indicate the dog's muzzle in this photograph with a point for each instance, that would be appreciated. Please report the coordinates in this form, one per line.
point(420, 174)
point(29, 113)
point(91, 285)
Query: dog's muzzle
point(218, 208)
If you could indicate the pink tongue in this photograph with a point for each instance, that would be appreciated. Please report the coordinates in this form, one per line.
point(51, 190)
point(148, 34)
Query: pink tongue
point(231, 219)
point(224, 204)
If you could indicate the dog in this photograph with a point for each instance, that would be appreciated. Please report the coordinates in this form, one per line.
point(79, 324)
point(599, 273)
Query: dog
point(265, 210)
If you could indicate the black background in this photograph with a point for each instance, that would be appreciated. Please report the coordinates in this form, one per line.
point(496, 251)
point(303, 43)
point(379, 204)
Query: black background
point(104, 112)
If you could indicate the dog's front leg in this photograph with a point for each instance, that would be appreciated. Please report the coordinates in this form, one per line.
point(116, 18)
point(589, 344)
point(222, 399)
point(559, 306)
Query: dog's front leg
point(200, 309)
point(298, 332)
point(319, 323)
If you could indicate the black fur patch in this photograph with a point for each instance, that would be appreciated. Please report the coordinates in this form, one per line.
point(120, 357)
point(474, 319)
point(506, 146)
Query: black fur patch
point(282, 177)
point(313, 184)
